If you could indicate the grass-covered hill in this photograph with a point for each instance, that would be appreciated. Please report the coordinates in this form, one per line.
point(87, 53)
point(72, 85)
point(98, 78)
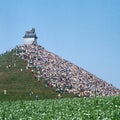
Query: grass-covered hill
point(18, 83)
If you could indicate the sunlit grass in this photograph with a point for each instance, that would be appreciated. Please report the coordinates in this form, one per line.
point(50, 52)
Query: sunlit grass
point(99, 108)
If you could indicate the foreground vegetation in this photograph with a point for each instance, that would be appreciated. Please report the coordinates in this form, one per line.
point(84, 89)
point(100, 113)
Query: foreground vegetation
point(99, 108)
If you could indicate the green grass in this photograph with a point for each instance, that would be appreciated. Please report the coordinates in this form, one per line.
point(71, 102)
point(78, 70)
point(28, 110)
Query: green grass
point(19, 84)
point(99, 108)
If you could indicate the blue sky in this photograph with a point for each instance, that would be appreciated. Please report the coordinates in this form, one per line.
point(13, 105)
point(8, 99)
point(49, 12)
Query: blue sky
point(85, 32)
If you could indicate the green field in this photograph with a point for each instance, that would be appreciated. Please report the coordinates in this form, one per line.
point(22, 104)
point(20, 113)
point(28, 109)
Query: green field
point(99, 108)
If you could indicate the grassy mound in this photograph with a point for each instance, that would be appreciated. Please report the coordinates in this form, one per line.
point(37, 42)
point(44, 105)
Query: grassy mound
point(17, 83)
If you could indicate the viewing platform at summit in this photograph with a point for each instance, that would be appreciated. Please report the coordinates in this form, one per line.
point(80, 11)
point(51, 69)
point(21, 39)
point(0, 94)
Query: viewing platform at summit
point(30, 37)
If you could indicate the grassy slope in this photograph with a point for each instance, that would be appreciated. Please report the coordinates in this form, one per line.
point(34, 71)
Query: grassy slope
point(19, 84)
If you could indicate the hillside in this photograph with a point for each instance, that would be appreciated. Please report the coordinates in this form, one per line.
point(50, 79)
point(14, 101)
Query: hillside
point(63, 75)
point(30, 72)
point(18, 83)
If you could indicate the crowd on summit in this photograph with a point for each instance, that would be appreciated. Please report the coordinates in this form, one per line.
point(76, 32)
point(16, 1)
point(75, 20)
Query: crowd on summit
point(62, 74)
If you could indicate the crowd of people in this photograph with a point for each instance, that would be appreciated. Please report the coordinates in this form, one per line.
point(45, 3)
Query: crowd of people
point(62, 74)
